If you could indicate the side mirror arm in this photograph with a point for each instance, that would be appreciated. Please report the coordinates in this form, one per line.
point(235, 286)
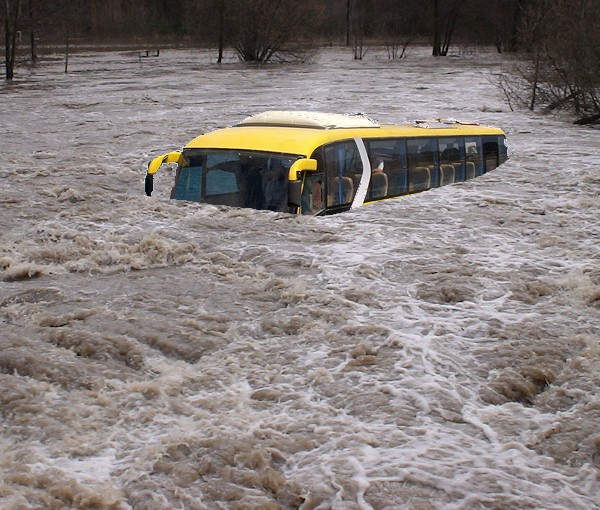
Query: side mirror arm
point(156, 163)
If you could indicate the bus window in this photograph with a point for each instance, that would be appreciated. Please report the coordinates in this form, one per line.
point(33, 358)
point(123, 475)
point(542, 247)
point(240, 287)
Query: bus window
point(275, 184)
point(474, 157)
point(220, 182)
point(451, 154)
point(233, 178)
point(188, 183)
point(343, 168)
point(388, 167)
point(502, 150)
point(313, 190)
point(398, 169)
point(490, 152)
point(422, 170)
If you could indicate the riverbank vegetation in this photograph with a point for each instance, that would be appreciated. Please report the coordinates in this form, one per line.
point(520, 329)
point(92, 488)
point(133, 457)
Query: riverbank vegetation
point(556, 42)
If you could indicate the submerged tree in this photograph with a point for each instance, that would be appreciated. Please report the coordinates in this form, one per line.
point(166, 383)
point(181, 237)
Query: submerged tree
point(221, 29)
point(266, 30)
point(562, 67)
point(398, 27)
point(360, 25)
point(12, 11)
point(32, 24)
point(444, 26)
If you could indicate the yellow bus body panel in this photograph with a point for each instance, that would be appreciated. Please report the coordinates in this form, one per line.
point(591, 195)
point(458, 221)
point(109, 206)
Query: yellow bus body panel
point(303, 141)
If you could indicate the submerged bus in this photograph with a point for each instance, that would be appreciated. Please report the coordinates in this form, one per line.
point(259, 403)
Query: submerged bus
point(318, 163)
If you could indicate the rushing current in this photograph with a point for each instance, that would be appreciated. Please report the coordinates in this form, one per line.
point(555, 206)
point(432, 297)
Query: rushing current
point(436, 351)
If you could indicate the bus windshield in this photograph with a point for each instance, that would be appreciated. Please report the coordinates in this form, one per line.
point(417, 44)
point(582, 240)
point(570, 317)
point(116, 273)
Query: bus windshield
point(258, 180)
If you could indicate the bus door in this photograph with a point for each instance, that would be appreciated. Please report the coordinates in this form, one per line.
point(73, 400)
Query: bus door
point(347, 173)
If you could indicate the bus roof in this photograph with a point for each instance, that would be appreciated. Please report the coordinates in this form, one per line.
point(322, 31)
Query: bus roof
point(314, 120)
point(300, 133)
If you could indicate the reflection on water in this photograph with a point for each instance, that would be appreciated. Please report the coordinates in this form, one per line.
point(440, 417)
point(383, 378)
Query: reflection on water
point(434, 351)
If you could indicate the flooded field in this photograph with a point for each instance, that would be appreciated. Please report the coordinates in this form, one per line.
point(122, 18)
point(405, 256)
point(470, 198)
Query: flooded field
point(436, 351)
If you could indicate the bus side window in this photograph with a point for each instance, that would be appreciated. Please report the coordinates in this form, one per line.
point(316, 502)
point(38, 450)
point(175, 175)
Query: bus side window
point(502, 150)
point(490, 152)
point(343, 168)
point(451, 157)
point(422, 168)
point(398, 171)
point(474, 157)
point(388, 168)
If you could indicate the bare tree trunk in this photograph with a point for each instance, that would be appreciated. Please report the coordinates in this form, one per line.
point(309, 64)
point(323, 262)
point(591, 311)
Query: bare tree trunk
point(516, 24)
point(32, 33)
point(67, 50)
point(11, 36)
point(534, 82)
point(8, 63)
point(358, 47)
point(348, 23)
point(221, 29)
point(450, 23)
point(437, 38)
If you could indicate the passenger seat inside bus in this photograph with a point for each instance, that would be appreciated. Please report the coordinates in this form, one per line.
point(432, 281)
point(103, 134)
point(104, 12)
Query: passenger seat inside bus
point(446, 174)
point(419, 179)
point(379, 185)
point(379, 179)
point(347, 191)
point(470, 170)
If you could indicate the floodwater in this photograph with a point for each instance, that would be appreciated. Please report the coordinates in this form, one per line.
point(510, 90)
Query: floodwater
point(437, 351)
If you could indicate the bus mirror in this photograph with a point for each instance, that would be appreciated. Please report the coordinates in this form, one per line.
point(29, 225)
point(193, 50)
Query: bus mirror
point(302, 165)
point(149, 184)
point(295, 193)
point(171, 157)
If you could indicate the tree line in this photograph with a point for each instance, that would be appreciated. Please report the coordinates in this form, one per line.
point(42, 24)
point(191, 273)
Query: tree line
point(250, 26)
point(558, 41)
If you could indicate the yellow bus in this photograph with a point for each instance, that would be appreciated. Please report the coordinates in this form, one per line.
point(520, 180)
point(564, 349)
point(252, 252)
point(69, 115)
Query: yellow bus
point(321, 163)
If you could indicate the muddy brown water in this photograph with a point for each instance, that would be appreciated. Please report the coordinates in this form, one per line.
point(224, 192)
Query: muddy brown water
point(435, 351)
